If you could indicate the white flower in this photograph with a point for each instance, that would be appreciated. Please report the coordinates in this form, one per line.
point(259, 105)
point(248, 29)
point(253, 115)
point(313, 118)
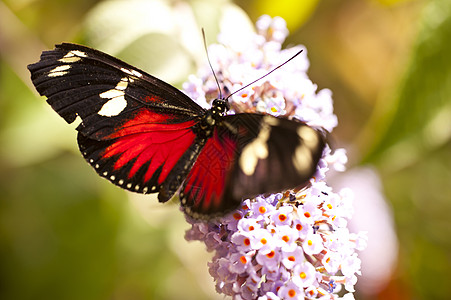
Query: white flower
point(313, 244)
point(304, 274)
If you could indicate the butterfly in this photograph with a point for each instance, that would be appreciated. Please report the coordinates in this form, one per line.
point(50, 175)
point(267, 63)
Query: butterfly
point(146, 136)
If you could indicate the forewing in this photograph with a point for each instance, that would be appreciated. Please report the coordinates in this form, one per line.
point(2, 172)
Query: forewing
point(134, 127)
point(104, 91)
point(282, 154)
point(250, 154)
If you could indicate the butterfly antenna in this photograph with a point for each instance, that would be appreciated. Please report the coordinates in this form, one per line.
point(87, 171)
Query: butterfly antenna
point(282, 64)
point(209, 62)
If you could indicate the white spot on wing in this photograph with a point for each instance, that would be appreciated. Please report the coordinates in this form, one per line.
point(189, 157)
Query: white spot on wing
point(112, 94)
point(309, 136)
point(258, 148)
point(56, 74)
point(136, 73)
point(113, 107)
point(59, 71)
point(122, 85)
point(302, 159)
point(61, 68)
point(69, 60)
point(303, 154)
point(117, 101)
point(131, 72)
point(268, 120)
point(77, 53)
point(73, 56)
point(126, 71)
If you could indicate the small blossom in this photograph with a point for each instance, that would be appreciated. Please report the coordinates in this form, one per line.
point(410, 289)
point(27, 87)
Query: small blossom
point(212, 240)
point(313, 244)
point(197, 232)
point(338, 160)
point(332, 286)
point(273, 104)
point(248, 225)
point(261, 207)
point(261, 239)
point(331, 262)
point(231, 220)
point(282, 216)
point(309, 212)
point(271, 275)
point(311, 292)
point(304, 274)
point(220, 269)
point(269, 258)
point(285, 237)
point(240, 262)
point(360, 240)
point(242, 240)
point(350, 265)
point(302, 228)
point(350, 282)
point(291, 291)
point(292, 258)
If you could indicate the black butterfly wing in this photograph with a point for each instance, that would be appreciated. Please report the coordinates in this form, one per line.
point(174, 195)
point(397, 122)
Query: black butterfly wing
point(282, 154)
point(134, 127)
point(104, 91)
point(250, 154)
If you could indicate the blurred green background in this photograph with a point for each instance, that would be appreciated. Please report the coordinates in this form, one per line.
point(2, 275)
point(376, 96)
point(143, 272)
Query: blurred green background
point(67, 234)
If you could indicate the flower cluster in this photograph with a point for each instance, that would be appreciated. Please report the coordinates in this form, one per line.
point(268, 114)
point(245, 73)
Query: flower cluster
point(291, 245)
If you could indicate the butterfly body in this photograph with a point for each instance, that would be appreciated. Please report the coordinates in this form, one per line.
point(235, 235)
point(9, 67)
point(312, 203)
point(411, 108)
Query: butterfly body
point(146, 136)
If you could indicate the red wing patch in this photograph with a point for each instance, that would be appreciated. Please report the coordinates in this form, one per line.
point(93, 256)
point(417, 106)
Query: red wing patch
point(142, 152)
point(204, 186)
point(147, 121)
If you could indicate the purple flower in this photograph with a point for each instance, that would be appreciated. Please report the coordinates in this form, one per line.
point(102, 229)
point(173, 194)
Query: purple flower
point(282, 216)
point(240, 262)
point(291, 291)
point(304, 274)
point(288, 245)
point(292, 258)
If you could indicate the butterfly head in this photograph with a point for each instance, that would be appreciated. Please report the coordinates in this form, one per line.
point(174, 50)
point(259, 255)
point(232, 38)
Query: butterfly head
point(219, 107)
